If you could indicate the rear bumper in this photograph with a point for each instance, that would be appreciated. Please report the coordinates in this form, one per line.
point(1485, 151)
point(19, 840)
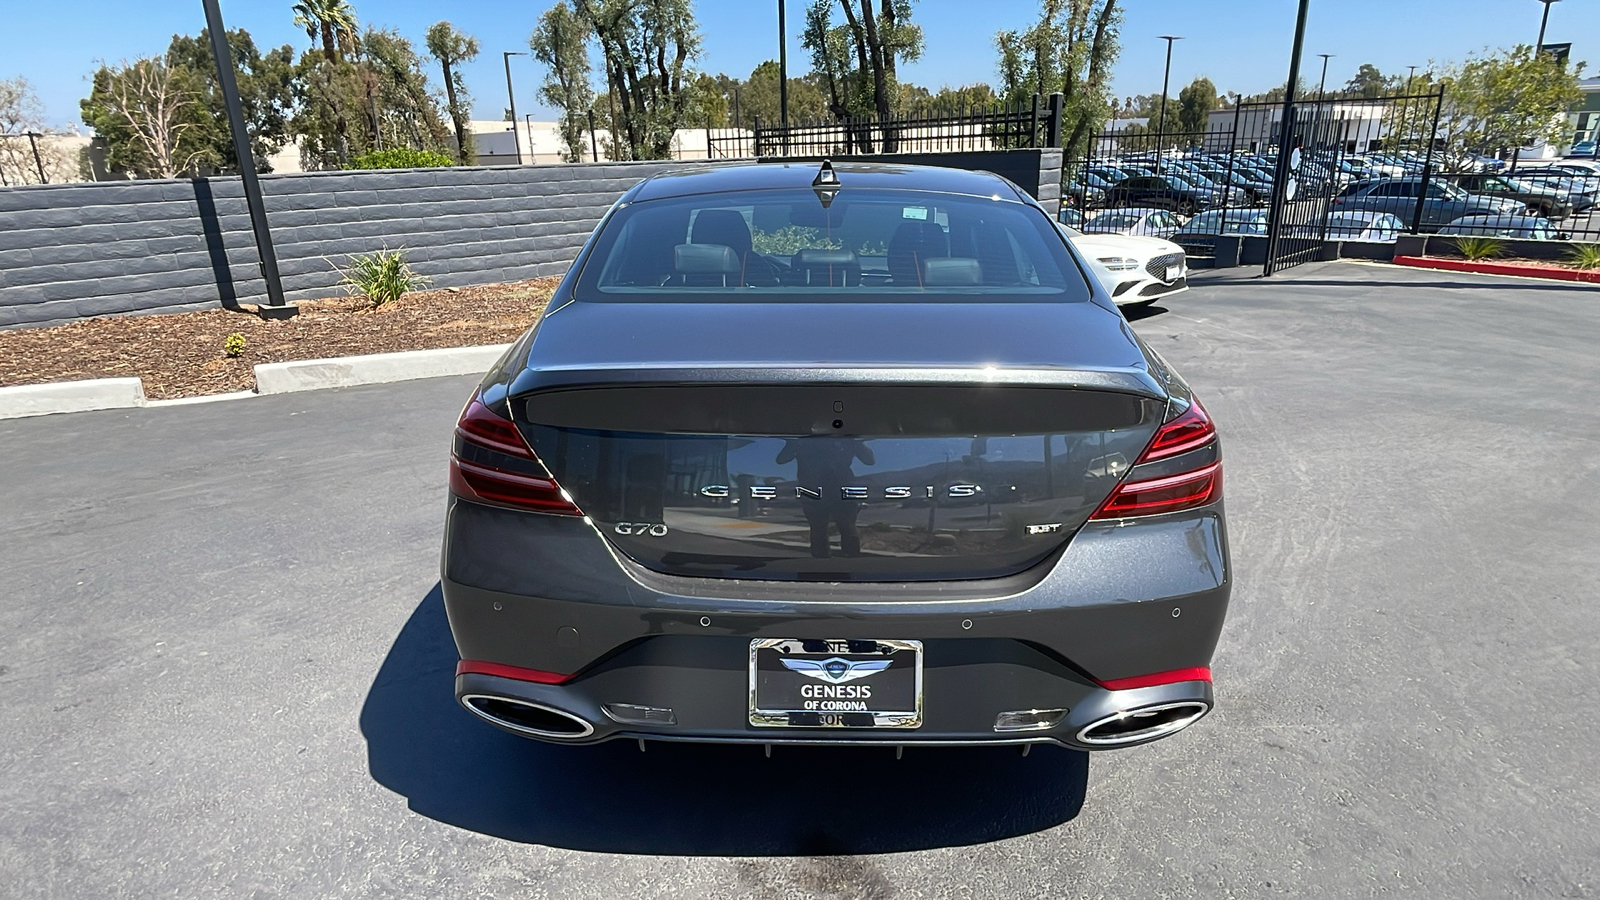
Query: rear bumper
point(1121, 600)
point(708, 700)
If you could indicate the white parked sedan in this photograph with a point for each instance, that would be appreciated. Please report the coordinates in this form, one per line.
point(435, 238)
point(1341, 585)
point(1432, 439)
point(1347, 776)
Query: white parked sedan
point(1136, 270)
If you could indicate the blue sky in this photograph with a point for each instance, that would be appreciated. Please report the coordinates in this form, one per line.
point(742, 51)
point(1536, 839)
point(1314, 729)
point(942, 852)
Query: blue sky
point(1241, 45)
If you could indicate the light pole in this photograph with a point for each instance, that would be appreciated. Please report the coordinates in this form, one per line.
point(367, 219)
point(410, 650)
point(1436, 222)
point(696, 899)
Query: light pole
point(1323, 84)
point(1161, 125)
point(275, 307)
point(783, 70)
point(1410, 76)
point(1543, 21)
point(516, 130)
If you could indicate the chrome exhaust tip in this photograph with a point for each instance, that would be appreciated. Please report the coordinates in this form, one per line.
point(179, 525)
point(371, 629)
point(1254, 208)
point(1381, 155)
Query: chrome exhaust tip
point(1143, 723)
point(527, 717)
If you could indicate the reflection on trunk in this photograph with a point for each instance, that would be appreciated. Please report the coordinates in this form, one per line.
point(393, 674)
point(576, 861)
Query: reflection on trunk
point(838, 508)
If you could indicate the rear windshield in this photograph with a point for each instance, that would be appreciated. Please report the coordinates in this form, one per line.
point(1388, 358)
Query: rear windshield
point(785, 245)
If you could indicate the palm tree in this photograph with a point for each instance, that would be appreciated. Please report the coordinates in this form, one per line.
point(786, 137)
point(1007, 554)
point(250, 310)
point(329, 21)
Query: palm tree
point(451, 48)
point(334, 21)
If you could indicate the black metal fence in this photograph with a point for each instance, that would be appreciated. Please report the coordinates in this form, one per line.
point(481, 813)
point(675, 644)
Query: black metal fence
point(1233, 181)
point(997, 127)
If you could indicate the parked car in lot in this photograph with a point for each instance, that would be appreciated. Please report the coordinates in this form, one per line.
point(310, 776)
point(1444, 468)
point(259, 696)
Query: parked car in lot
point(1537, 199)
point(1161, 223)
point(1530, 228)
point(665, 523)
point(1136, 271)
point(1363, 225)
point(1070, 217)
point(1582, 149)
point(1443, 202)
point(1163, 191)
point(1232, 221)
point(1579, 192)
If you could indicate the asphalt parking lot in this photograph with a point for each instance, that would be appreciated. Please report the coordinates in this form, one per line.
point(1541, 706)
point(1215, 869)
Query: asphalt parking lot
point(225, 671)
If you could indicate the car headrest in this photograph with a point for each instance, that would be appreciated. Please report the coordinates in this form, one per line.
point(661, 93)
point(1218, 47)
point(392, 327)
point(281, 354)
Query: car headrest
point(705, 259)
point(721, 226)
point(951, 271)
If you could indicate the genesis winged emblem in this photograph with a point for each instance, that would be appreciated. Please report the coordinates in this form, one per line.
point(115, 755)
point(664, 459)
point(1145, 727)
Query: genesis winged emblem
point(836, 670)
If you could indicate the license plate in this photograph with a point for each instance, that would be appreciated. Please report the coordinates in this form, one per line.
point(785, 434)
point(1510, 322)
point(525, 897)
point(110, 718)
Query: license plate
point(809, 683)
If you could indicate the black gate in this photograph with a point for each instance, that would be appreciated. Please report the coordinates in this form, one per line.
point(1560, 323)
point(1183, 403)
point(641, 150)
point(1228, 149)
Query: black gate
point(1307, 180)
point(1231, 185)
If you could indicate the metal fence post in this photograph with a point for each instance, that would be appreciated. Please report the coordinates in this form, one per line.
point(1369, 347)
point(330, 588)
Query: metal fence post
point(1033, 123)
point(1427, 163)
point(1052, 128)
point(1280, 182)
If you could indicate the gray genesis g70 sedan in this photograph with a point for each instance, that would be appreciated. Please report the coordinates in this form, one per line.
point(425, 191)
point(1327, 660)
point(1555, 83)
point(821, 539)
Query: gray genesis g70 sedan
point(815, 454)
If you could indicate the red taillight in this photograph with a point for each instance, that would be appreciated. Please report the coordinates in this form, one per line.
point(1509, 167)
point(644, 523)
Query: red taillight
point(479, 667)
point(1199, 673)
point(485, 483)
point(479, 425)
point(1191, 430)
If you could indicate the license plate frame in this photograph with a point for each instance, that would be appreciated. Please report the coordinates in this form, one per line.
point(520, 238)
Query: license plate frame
point(773, 702)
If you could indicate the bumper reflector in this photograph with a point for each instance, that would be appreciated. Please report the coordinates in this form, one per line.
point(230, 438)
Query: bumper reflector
point(479, 667)
point(630, 714)
point(1199, 673)
point(1029, 719)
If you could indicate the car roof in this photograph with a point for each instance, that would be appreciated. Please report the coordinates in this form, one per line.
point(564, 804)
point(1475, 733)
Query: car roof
point(1127, 210)
point(1513, 221)
point(713, 178)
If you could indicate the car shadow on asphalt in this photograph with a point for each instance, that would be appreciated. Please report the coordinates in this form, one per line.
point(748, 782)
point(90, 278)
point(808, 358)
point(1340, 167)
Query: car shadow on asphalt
point(690, 799)
point(1135, 313)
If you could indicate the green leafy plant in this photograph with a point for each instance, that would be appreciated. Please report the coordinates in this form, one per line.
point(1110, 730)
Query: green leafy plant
point(233, 345)
point(1584, 256)
point(401, 158)
point(381, 277)
point(1476, 248)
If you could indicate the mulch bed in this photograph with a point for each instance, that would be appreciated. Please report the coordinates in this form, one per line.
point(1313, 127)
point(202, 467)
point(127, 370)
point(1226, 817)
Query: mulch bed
point(181, 355)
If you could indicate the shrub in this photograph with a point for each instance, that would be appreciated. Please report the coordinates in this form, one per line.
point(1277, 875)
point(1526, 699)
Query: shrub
point(1476, 248)
point(381, 277)
point(233, 344)
point(1584, 256)
point(401, 158)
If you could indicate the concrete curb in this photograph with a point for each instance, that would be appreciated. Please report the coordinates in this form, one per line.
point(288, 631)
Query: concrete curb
point(379, 368)
point(1548, 273)
point(70, 396)
point(271, 378)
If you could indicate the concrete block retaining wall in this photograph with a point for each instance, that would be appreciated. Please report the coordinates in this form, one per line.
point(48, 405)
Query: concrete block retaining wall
point(80, 250)
point(72, 251)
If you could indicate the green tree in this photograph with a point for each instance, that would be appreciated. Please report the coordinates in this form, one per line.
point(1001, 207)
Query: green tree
point(266, 95)
point(1070, 49)
point(1369, 82)
point(561, 42)
point(333, 21)
point(452, 48)
point(919, 101)
point(404, 111)
point(761, 96)
point(647, 45)
point(1195, 104)
point(152, 116)
point(1503, 100)
point(856, 62)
